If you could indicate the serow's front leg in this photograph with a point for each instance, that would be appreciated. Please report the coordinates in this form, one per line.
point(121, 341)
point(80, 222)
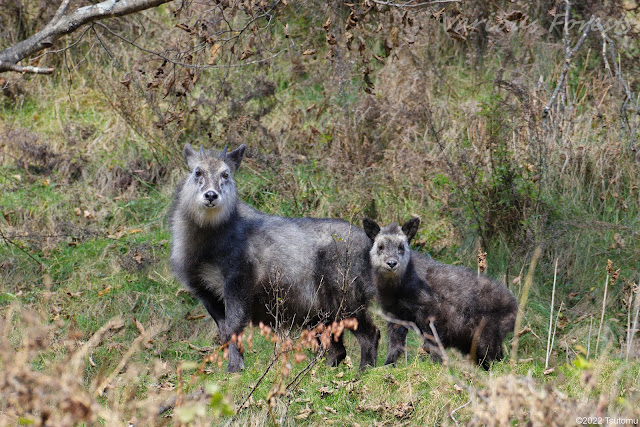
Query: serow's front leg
point(397, 342)
point(368, 336)
point(236, 319)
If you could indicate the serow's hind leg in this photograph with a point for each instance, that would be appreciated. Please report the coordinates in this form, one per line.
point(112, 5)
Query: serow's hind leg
point(336, 352)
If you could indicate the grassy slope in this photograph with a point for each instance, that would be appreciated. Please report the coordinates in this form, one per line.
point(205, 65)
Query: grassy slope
point(83, 250)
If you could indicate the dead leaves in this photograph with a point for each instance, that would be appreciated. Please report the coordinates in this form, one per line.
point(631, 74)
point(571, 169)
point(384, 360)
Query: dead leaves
point(214, 54)
point(400, 410)
point(304, 414)
point(325, 391)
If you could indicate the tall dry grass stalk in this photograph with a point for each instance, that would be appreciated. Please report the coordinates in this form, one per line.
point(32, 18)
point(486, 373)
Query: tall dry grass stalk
point(614, 276)
point(555, 327)
point(633, 328)
point(589, 337)
point(604, 303)
point(553, 297)
point(523, 302)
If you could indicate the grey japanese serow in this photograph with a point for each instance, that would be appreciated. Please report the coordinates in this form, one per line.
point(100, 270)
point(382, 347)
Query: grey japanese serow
point(471, 313)
point(245, 265)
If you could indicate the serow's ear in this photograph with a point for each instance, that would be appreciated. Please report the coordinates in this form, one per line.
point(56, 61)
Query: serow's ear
point(189, 155)
point(410, 228)
point(371, 228)
point(234, 158)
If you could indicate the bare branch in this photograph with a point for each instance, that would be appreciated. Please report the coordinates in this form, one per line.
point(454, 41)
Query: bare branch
point(60, 12)
point(62, 24)
point(25, 68)
point(569, 54)
point(411, 4)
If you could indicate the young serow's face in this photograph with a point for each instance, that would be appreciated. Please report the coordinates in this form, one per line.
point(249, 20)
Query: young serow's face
point(390, 253)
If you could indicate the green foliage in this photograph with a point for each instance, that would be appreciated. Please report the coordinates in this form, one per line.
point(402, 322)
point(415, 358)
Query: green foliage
point(499, 191)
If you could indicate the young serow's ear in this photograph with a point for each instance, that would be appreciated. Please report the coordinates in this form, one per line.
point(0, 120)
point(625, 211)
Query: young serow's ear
point(410, 228)
point(370, 227)
point(233, 158)
point(189, 155)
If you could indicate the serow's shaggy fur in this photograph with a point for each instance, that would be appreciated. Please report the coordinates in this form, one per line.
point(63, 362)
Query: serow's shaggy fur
point(245, 265)
point(471, 313)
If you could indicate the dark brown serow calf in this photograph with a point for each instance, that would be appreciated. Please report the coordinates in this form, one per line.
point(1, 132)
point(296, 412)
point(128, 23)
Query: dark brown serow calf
point(471, 313)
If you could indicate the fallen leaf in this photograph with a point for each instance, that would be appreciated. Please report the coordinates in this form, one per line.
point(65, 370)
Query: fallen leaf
point(310, 52)
point(325, 391)
point(206, 349)
point(138, 325)
point(246, 53)
point(327, 24)
point(348, 363)
point(137, 257)
point(104, 291)
point(214, 53)
point(304, 414)
point(330, 409)
point(548, 371)
point(195, 316)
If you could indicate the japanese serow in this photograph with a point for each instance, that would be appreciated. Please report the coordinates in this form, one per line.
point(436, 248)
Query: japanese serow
point(248, 266)
point(471, 313)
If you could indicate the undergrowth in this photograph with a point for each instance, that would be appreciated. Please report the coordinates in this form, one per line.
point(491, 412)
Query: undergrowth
point(445, 122)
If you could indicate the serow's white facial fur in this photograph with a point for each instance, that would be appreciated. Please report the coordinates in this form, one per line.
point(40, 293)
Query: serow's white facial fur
point(209, 193)
point(390, 254)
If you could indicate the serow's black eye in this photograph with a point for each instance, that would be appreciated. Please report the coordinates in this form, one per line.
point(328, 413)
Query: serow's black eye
point(198, 173)
point(381, 247)
point(225, 175)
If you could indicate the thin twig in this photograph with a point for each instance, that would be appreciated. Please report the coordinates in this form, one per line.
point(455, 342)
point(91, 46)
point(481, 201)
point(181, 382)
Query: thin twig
point(76, 362)
point(25, 68)
point(61, 10)
point(458, 408)
point(257, 384)
point(296, 380)
point(569, 54)
point(9, 241)
point(523, 302)
point(554, 329)
point(589, 338)
point(445, 359)
point(170, 403)
point(411, 4)
point(553, 297)
point(145, 336)
point(604, 304)
point(409, 325)
point(634, 329)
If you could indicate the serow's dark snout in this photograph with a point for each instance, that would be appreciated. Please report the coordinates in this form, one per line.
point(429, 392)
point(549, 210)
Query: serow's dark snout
point(392, 263)
point(210, 196)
